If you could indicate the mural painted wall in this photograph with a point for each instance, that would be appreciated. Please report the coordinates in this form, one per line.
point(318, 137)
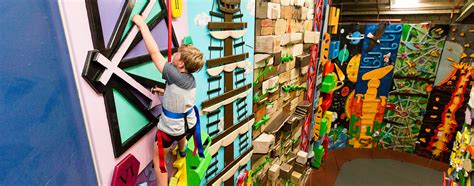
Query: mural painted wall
point(445, 115)
point(414, 74)
point(379, 53)
point(347, 58)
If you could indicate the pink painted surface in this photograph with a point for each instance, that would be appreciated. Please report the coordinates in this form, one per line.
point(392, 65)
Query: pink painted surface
point(75, 23)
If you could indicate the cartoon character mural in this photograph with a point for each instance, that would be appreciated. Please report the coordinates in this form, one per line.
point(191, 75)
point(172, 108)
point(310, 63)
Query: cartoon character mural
point(114, 75)
point(445, 115)
point(414, 74)
point(373, 82)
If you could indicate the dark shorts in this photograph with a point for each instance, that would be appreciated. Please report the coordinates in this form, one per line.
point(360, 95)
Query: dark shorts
point(167, 143)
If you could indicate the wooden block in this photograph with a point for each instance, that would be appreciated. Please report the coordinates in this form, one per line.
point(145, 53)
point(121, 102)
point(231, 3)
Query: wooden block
point(302, 157)
point(302, 79)
point(274, 96)
point(275, 1)
point(256, 133)
point(290, 38)
point(297, 37)
point(286, 12)
point(309, 4)
point(274, 171)
point(299, 26)
point(277, 58)
point(292, 24)
point(271, 109)
point(310, 14)
point(258, 27)
point(297, 49)
point(308, 25)
point(270, 85)
point(298, 167)
point(285, 39)
point(267, 30)
point(302, 60)
point(268, 10)
point(301, 96)
point(284, 77)
point(297, 130)
point(285, 2)
point(262, 144)
point(304, 13)
point(280, 27)
point(304, 70)
point(260, 60)
point(297, 11)
point(299, 3)
point(311, 37)
point(266, 22)
point(290, 65)
point(294, 103)
point(268, 44)
point(282, 68)
point(287, 49)
point(296, 177)
point(294, 74)
point(285, 171)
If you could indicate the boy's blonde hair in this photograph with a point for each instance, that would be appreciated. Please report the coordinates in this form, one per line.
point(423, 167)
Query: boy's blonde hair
point(192, 58)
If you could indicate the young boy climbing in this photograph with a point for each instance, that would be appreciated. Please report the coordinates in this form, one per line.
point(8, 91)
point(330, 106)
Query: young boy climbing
point(179, 116)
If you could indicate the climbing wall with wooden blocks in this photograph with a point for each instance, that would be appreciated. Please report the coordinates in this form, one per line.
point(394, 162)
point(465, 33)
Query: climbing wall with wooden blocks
point(283, 84)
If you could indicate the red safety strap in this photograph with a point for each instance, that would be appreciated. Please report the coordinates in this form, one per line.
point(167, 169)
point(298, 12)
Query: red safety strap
point(169, 31)
point(159, 142)
point(195, 144)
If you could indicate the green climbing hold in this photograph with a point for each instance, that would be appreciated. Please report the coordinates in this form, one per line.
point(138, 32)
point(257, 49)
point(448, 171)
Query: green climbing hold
point(188, 40)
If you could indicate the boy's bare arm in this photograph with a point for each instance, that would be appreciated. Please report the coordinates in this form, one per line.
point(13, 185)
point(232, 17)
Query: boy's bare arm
point(150, 43)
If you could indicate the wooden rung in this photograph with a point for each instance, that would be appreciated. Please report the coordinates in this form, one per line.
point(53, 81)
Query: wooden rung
point(226, 25)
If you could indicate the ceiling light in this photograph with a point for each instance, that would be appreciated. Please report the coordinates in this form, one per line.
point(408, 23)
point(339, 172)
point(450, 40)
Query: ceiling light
point(406, 4)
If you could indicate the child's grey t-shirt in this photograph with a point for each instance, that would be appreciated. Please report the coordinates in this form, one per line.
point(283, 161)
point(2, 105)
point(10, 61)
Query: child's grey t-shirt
point(179, 97)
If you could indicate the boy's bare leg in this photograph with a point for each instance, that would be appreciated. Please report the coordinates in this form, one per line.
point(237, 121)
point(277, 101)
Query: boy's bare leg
point(161, 178)
point(182, 144)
